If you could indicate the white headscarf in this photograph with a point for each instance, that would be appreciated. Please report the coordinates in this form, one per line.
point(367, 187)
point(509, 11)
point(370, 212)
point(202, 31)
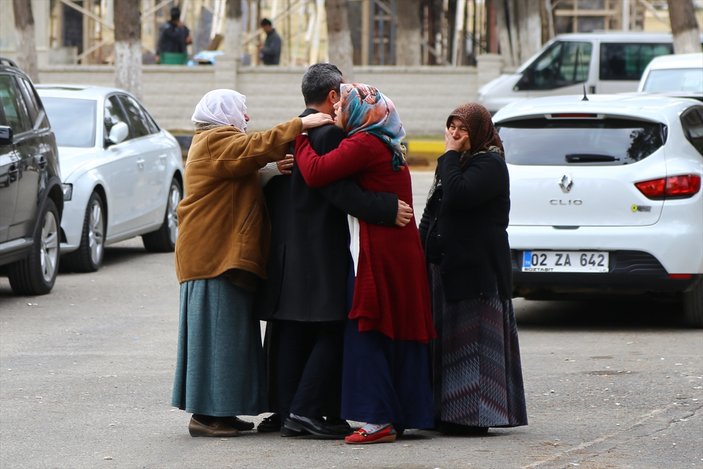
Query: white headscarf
point(224, 107)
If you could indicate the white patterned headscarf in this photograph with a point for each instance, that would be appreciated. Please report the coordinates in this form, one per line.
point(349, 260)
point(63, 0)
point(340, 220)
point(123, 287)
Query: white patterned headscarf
point(222, 107)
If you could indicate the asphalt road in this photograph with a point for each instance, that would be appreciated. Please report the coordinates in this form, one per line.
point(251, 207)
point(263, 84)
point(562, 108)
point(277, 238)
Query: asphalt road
point(86, 374)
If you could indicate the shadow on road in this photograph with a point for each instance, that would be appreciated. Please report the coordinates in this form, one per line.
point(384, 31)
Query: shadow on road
point(615, 313)
point(120, 254)
point(116, 255)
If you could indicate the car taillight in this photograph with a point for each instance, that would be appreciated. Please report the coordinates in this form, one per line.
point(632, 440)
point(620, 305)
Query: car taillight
point(672, 187)
point(680, 276)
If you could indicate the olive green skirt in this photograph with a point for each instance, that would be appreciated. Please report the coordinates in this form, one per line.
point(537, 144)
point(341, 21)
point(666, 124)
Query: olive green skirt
point(220, 361)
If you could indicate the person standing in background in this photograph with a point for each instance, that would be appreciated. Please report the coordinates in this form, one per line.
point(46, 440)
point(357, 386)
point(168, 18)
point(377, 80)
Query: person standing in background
point(270, 51)
point(476, 357)
point(174, 39)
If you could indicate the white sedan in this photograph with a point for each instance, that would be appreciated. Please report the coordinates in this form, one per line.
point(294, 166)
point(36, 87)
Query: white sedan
point(606, 196)
point(122, 174)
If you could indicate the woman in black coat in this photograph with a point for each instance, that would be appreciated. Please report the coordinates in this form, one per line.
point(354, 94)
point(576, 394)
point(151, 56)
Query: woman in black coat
point(476, 357)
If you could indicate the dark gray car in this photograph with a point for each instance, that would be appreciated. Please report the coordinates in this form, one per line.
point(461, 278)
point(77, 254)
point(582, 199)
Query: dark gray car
point(31, 200)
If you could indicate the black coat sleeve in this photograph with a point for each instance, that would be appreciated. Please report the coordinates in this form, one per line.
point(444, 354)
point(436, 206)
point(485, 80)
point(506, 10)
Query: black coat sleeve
point(467, 190)
point(379, 208)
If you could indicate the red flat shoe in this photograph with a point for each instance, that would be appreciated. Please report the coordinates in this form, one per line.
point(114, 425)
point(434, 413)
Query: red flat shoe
point(360, 437)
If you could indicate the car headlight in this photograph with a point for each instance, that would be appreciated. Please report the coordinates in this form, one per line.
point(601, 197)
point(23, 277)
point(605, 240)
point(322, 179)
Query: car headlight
point(67, 191)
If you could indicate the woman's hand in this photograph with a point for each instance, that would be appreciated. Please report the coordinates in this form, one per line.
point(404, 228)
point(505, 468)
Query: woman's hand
point(316, 120)
point(453, 141)
point(285, 165)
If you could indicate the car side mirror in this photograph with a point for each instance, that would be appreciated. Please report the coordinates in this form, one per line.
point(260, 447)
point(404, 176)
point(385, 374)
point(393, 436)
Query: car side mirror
point(5, 135)
point(118, 133)
point(525, 81)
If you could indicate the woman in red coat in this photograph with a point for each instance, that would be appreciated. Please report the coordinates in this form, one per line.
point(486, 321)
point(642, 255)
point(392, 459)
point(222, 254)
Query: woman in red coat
point(386, 375)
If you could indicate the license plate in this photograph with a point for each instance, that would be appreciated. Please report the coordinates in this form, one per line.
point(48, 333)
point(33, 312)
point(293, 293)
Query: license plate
point(565, 261)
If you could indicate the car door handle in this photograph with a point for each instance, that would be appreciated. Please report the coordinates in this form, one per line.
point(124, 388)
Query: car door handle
point(13, 172)
point(41, 162)
point(140, 163)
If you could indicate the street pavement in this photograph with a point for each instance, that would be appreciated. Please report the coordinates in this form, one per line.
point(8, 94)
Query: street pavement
point(86, 374)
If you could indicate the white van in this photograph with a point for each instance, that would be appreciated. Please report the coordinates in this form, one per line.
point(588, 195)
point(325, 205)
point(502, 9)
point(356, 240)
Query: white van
point(605, 62)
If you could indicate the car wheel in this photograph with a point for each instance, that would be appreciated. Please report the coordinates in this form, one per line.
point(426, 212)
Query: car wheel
point(89, 255)
point(693, 304)
point(36, 274)
point(164, 239)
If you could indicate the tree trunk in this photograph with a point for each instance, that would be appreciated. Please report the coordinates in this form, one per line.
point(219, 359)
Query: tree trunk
point(228, 63)
point(233, 29)
point(519, 24)
point(128, 46)
point(505, 32)
point(684, 26)
point(530, 29)
point(408, 39)
point(339, 44)
point(26, 44)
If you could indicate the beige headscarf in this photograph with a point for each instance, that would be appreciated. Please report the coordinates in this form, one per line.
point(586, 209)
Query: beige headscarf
point(222, 107)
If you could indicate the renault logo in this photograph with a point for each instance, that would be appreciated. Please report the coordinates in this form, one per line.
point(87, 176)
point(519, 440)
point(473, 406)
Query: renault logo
point(566, 183)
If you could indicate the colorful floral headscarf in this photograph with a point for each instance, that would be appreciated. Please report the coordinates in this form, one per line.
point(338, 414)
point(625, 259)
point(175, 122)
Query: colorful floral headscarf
point(365, 109)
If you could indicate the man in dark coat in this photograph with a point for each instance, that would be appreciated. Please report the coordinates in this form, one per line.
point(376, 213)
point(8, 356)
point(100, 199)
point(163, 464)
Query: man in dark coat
point(270, 52)
point(306, 297)
point(174, 36)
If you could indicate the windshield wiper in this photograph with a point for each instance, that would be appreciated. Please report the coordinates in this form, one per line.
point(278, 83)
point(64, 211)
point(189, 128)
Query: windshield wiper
point(588, 158)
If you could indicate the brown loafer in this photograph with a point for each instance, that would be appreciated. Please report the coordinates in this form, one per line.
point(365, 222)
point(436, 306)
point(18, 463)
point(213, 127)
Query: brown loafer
point(216, 429)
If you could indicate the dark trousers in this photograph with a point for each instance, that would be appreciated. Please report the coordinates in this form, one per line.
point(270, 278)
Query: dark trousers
point(308, 364)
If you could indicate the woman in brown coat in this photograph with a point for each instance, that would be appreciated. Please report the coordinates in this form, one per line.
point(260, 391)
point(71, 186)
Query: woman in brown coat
point(220, 255)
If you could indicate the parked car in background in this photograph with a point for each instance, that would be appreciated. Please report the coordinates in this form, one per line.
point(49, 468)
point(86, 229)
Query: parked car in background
point(30, 186)
point(606, 197)
point(679, 74)
point(598, 62)
point(122, 173)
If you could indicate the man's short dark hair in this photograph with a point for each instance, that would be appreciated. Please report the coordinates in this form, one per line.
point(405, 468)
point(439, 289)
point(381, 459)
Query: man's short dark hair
point(319, 80)
point(175, 13)
point(265, 22)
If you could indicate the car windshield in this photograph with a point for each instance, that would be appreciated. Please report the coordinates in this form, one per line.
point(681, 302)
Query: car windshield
point(541, 141)
point(73, 121)
point(680, 79)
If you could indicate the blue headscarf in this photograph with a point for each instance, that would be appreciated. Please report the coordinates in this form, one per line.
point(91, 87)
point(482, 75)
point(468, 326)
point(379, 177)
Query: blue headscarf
point(365, 109)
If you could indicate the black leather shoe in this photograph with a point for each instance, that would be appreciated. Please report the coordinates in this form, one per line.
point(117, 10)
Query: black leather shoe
point(270, 424)
point(339, 424)
point(287, 432)
point(317, 428)
point(239, 424)
point(450, 428)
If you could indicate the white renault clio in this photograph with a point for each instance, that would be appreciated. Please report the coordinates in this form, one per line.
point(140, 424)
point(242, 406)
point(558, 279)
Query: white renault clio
point(606, 196)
